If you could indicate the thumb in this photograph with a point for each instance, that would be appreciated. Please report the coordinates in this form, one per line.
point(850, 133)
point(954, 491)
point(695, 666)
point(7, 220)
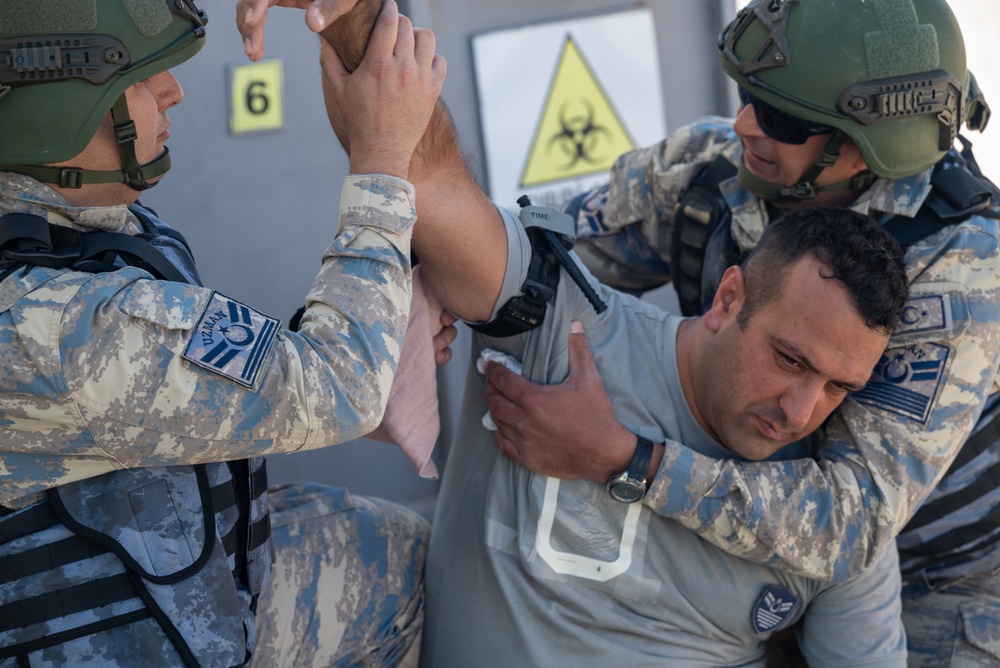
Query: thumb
point(581, 357)
point(322, 13)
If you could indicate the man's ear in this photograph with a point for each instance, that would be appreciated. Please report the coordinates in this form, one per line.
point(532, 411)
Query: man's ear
point(852, 154)
point(728, 300)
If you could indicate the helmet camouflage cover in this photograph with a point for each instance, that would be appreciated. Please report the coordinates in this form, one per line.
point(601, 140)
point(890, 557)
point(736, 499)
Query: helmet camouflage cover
point(64, 63)
point(890, 74)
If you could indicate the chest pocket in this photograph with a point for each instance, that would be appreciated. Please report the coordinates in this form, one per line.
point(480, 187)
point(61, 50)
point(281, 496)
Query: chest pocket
point(167, 311)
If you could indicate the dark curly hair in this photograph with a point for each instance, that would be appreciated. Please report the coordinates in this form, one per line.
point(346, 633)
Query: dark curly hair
point(856, 250)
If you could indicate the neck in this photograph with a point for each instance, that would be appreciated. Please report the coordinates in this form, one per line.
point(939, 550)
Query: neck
point(103, 194)
point(691, 335)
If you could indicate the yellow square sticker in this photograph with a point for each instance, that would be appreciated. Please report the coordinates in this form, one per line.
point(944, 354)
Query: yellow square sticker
point(256, 100)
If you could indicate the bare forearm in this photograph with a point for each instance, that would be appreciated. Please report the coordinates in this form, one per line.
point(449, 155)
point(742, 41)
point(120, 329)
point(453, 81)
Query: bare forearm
point(460, 239)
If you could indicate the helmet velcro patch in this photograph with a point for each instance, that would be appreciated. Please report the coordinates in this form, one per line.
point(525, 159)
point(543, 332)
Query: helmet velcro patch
point(150, 16)
point(25, 17)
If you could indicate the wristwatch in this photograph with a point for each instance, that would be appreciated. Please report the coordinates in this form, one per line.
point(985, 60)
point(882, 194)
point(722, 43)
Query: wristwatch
point(629, 486)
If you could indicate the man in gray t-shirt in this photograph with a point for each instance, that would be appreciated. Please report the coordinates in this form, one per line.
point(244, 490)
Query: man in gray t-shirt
point(528, 570)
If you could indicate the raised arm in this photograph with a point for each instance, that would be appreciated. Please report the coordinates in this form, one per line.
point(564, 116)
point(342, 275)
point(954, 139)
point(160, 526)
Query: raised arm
point(460, 240)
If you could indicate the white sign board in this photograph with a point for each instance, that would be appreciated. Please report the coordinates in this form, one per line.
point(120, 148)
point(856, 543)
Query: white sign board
point(560, 101)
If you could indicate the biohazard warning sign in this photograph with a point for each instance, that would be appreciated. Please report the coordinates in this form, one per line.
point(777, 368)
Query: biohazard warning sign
point(579, 132)
point(560, 101)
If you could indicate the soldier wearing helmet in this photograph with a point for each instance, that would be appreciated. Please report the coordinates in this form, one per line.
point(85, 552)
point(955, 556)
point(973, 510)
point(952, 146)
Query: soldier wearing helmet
point(136, 404)
point(855, 103)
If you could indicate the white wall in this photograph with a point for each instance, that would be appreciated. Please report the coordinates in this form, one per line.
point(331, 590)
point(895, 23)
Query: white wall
point(980, 22)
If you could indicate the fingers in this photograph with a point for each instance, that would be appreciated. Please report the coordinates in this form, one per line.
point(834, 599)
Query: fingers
point(445, 337)
point(424, 45)
point(383, 39)
point(251, 15)
point(322, 13)
point(442, 357)
point(581, 357)
point(250, 18)
point(507, 448)
point(405, 40)
point(509, 384)
point(442, 344)
point(501, 407)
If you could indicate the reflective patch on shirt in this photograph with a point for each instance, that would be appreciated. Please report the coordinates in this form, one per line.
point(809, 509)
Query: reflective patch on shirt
point(232, 339)
point(772, 608)
point(926, 314)
point(906, 380)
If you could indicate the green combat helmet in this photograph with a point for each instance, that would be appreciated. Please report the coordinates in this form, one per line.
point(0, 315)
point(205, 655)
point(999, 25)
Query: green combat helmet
point(889, 74)
point(64, 64)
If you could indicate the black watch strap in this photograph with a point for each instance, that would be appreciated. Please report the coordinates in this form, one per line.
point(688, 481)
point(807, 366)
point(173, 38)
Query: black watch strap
point(639, 466)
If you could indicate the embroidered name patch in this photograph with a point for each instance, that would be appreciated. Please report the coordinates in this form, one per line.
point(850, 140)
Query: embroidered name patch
point(772, 608)
point(906, 380)
point(232, 339)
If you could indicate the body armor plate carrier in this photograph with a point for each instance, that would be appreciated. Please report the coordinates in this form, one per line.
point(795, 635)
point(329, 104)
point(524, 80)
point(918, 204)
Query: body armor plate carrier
point(136, 544)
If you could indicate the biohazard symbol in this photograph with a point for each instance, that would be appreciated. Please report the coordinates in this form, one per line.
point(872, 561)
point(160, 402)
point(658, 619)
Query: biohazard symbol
point(579, 132)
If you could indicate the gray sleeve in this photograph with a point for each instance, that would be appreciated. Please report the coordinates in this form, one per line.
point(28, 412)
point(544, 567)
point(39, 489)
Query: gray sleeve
point(858, 622)
point(518, 259)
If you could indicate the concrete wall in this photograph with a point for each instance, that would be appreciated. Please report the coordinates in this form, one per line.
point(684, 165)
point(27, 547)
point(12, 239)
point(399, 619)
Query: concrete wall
point(259, 209)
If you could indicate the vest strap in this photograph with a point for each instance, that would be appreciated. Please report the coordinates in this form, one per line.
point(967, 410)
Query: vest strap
point(30, 520)
point(66, 601)
point(939, 550)
point(53, 639)
point(47, 557)
point(944, 506)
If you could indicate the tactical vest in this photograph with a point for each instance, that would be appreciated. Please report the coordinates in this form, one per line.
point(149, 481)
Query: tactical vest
point(702, 249)
point(162, 565)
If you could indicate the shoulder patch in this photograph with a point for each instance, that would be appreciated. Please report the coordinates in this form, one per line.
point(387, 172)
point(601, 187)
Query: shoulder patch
point(926, 313)
point(773, 607)
point(232, 340)
point(589, 213)
point(906, 380)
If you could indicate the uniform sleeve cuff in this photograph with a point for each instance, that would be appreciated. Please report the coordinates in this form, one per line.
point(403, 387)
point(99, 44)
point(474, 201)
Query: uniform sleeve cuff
point(378, 200)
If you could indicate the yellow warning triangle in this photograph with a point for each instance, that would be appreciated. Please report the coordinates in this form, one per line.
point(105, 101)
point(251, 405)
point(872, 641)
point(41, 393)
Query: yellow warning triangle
point(579, 132)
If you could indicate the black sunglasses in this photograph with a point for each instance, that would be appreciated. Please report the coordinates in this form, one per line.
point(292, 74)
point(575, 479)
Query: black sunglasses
point(778, 125)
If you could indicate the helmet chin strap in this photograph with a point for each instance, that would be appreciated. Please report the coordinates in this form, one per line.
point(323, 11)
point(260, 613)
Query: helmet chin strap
point(132, 174)
point(807, 188)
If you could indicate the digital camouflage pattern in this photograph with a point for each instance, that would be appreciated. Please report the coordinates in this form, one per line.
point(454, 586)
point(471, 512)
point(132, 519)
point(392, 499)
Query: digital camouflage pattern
point(825, 518)
point(347, 586)
point(96, 380)
point(939, 638)
point(381, 543)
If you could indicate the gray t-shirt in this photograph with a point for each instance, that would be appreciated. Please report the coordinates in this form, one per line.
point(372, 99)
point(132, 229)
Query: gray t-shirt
point(527, 570)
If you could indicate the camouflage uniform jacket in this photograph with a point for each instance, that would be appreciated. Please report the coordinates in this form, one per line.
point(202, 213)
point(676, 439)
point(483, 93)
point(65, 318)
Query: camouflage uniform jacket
point(118, 383)
point(99, 370)
point(886, 447)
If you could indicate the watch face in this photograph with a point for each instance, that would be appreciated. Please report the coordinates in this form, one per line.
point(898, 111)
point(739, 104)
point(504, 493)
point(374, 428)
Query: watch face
point(627, 490)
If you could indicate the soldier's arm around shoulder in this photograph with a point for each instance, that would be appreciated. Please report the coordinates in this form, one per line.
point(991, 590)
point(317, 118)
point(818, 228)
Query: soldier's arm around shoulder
point(884, 448)
point(624, 228)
